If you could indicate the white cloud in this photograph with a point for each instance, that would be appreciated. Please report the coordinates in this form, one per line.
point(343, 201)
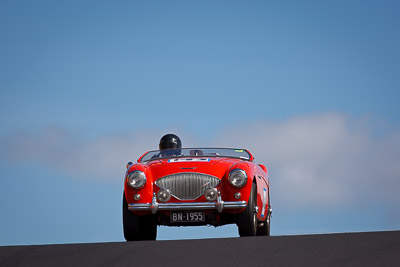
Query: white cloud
point(324, 161)
point(100, 158)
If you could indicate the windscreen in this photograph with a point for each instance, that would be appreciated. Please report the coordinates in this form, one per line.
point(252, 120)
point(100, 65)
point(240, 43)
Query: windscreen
point(196, 152)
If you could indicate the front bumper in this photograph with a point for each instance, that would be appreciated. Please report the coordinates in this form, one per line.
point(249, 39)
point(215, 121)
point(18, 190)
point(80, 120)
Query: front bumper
point(219, 205)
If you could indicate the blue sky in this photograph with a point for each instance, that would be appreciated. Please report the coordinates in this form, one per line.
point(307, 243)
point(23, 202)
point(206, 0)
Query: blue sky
point(311, 87)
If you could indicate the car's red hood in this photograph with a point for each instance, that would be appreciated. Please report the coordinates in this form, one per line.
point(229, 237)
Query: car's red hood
point(212, 166)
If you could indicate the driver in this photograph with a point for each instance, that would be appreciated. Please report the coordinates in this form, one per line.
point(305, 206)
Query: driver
point(170, 145)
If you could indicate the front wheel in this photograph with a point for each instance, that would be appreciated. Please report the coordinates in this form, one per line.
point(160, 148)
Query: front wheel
point(247, 220)
point(265, 227)
point(137, 227)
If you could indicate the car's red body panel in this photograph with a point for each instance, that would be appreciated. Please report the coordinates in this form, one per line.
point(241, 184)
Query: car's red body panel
point(219, 167)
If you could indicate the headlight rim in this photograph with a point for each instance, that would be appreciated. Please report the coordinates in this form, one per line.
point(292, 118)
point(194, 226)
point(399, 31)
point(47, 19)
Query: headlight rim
point(230, 175)
point(144, 179)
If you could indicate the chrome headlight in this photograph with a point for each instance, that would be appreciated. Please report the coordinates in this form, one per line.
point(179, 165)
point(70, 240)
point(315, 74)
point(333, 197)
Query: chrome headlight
point(136, 179)
point(237, 178)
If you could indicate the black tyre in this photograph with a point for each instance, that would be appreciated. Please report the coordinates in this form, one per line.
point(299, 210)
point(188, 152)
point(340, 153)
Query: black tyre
point(137, 227)
point(264, 228)
point(247, 220)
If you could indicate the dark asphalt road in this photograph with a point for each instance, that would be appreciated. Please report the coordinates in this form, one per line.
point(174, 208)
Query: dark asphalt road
point(348, 249)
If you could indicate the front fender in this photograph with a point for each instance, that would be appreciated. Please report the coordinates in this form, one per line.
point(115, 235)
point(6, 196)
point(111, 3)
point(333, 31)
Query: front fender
point(146, 192)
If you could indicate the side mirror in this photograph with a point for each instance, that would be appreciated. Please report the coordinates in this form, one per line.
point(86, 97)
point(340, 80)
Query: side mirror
point(196, 152)
point(263, 167)
point(129, 164)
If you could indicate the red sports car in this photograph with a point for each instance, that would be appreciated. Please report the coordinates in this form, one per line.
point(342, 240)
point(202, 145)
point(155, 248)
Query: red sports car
point(195, 186)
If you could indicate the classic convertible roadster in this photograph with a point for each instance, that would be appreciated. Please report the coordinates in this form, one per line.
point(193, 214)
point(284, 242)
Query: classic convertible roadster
point(195, 186)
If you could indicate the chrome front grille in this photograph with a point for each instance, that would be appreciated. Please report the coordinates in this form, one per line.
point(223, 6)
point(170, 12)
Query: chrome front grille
point(187, 185)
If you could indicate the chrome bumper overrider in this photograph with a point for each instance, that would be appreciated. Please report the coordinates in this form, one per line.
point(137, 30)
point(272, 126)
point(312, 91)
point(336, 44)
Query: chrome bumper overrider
point(220, 205)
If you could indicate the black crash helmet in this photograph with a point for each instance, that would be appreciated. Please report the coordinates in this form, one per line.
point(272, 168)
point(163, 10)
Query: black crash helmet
point(170, 141)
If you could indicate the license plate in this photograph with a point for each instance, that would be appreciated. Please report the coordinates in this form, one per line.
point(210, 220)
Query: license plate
point(187, 216)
